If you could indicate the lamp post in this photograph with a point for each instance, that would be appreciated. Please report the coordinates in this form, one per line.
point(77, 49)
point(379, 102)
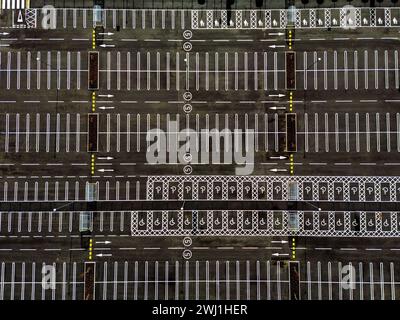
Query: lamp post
point(63, 206)
point(310, 204)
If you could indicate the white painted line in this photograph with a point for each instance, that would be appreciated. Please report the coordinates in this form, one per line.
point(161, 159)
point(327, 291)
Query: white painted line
point(335, 75)
point(388, 147)
point(371, 281)
point(346, 72)
point(396, 69)
point(315, 70)
point(392, 282)
point(355, 58)
point(367, 132)
point(376, 67)
point(378, 133)
point(386, 69)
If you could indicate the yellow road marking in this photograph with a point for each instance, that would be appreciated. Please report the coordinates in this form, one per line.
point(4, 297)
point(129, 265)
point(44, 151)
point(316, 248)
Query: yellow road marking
point(92, 164)
point(293, 248)
point(93, 101)
point(90, 249)
point(291, 164)
point(93, 39)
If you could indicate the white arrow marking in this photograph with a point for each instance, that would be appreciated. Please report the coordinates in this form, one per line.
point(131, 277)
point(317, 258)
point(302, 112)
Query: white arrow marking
point(4, 45)
point(280, 241)
point(105, 158)
point(4, 33)
point(276, 95)
point(277, 108)
point(277, 46)
point(276, 254)
point(276, 34)
point(20, 19)
point(105, 170)
point(104, 255)
point(103, 242)
point(107, 45)
point(106, 108)
point(106, 33)
point(278, 170)
point(278, 158)
point(106, 95)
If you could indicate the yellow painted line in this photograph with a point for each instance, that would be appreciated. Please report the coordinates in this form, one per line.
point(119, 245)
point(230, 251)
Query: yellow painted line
point(93, 101)
point(291, 101)
point(92, 164)
point(90, 249)
point(93, 39)
point(291, 164)
point(293, 248)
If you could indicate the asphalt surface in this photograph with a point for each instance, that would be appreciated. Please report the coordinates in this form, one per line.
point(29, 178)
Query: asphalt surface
point(347, 126)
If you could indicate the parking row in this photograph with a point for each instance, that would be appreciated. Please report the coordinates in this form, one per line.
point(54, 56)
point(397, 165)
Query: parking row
point(62, 223)
point(202, 70)
point(313, 18)
point(136, 132)
point(347, 18)
point(69, 189)
point(88, 18)
point(276, 188)
point(266, 223)
point(209, 280)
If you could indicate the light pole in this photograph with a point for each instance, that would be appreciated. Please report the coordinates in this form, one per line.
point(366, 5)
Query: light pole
point(314, 206)
point(183, 205)
point(312, 64)
point(64, 205)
